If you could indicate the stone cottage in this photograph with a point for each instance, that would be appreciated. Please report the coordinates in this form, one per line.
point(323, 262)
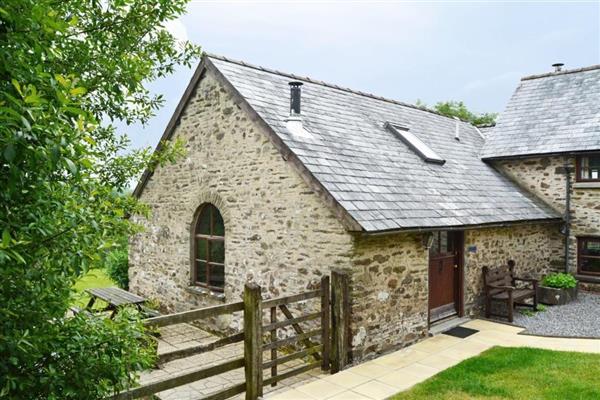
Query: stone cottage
point(548, 141)
point(287, 177)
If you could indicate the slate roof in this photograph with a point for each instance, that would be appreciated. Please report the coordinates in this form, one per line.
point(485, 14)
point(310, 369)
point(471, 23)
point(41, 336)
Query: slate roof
point(379, 181)
point(486, 130)
point(548, 114)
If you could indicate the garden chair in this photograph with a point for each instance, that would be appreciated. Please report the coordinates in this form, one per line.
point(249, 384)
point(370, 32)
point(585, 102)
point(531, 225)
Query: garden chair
point(500, 285)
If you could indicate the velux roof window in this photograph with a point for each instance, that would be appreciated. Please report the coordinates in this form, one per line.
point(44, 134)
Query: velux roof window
point(415, 144)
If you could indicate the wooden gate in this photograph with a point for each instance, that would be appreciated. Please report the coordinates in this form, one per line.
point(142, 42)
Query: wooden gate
point(324, 346)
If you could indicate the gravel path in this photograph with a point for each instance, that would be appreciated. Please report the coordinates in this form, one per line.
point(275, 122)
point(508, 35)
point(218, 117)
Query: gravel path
point(580, 318)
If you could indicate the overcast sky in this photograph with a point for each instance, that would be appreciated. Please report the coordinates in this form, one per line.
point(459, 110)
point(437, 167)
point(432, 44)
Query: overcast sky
point(433, 51)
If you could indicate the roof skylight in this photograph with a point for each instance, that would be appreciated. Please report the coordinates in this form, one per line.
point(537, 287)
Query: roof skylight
point(416, 144)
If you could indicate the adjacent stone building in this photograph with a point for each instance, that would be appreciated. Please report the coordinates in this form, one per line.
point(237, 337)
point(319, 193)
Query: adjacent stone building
point(287, 178)
point(548, 141)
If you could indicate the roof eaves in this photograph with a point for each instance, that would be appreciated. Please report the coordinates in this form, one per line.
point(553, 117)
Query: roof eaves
point(532, 154)
point(549, 220)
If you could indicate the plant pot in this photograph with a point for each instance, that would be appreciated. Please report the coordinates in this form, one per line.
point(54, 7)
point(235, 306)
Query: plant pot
point(554, 296)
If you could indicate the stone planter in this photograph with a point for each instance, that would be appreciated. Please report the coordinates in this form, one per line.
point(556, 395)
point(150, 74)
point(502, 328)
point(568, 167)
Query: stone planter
point(553, 296)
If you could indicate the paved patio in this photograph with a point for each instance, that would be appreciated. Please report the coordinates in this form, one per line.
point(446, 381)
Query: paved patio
point(180, 336)
point(398, 371)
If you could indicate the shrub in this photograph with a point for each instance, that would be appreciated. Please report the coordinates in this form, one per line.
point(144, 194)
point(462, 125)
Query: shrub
point(85, 357)
point(559, 280)
point(69, 70)
point(117, 266)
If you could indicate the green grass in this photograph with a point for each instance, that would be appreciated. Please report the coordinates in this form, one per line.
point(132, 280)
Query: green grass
point(93, 279)
point(514, 373)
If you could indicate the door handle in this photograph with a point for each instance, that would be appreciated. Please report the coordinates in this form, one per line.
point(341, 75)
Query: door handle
point(455, 266)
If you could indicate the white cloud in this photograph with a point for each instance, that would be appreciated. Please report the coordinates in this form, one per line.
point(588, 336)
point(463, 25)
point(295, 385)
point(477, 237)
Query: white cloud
point(177, 29)
point(327, 24)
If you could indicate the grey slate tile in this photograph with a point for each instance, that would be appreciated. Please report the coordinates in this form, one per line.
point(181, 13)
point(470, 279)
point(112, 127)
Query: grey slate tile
point(380, 181)
point(549, 114)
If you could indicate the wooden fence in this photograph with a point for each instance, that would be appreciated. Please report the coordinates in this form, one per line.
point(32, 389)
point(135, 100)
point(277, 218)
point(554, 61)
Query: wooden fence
point(330, 353)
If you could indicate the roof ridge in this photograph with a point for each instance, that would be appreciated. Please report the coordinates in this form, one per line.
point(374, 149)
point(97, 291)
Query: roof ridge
point(326, 84)
point(565, 72)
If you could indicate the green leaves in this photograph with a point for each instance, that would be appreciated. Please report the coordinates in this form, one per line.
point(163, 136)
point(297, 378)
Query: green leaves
point(6, 238)
point(17, 86)
point(25, 123)
point(78, 91)
point(559, 280)
point(71, 166)
point(9, 152)
point(68, 69)
point(458, 109)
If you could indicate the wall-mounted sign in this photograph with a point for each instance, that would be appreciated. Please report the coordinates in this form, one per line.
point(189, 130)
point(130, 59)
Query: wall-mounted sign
point(472, 249)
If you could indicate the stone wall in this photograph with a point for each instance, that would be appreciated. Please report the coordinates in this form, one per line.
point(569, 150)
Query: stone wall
point(389, 292)
point(390, 279)
point(279, 233)
point(536, 249)
point(545, 177)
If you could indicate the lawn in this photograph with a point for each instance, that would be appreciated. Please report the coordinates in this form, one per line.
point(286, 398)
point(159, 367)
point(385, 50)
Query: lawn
point(94, 278)
point(514, 373)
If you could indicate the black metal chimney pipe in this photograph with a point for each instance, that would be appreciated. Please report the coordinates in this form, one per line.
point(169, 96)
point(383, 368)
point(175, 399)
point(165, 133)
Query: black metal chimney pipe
point(295, 96)
point(558, 67)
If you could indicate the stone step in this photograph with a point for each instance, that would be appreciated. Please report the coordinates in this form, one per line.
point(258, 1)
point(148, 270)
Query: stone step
point(446, 324)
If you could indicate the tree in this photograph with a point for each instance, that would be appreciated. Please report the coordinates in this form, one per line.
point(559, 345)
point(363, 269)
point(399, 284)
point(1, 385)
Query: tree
point(458, 109)
point(68, 68)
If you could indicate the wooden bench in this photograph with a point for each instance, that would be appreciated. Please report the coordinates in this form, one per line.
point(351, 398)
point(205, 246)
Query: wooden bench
point(500, 284)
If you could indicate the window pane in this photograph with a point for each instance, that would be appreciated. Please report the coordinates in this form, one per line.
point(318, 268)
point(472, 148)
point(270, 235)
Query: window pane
point(217, 275)
point(584, 167)
point(444, 243)
point(200, 271)
point(419, 147)
point(201, 248)
point(203, 226)
point(590, 265)
point(218, 227)
point(435, 245)
point(590, 167)
point(590, 247)
point(217, 251)
point(594, 167)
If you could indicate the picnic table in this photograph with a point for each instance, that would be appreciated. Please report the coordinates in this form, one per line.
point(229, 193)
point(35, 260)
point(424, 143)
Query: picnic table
point(115, 297)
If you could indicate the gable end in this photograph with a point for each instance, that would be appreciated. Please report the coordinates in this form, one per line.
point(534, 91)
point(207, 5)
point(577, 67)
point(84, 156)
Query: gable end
point(206, 66)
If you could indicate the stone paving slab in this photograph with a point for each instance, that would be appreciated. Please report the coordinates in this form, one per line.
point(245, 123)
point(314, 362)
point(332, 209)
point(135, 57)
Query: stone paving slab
point(180, 336)
point(384, 376)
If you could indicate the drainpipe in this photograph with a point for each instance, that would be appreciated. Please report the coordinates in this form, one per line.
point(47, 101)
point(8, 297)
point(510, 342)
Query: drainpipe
point(567, 216)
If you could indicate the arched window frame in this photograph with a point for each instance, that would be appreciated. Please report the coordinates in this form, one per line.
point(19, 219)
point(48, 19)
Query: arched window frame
point(203, 264)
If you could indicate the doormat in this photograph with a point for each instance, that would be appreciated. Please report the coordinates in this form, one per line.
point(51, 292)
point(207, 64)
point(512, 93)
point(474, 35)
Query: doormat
point(460, 332)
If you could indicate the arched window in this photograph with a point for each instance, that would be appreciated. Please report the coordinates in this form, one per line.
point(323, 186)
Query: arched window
point(208, 266)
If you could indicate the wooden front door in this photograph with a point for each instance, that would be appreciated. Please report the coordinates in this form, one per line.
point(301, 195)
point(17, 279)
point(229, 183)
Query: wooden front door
point(445, 275)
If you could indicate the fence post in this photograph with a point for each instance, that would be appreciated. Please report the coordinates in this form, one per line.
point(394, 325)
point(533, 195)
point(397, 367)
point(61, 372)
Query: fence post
point(340, 313)
point(253, 340)
point(325, 322)
point(273, 318)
